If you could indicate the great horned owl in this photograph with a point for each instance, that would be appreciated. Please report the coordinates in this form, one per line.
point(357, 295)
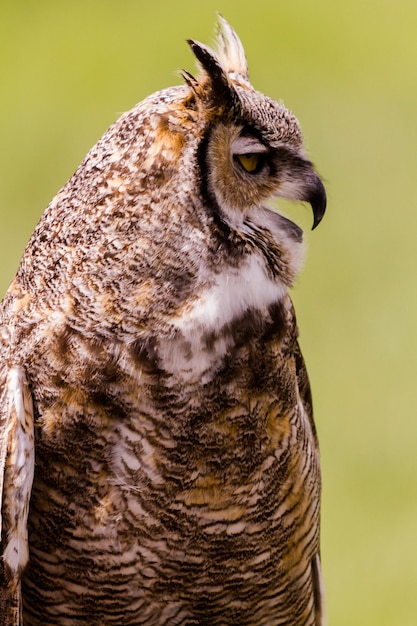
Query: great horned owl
point(159, 458)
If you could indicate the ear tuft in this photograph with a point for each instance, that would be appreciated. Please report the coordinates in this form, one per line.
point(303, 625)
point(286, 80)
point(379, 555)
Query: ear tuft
point(230, 50)
point(208, 62)
point(213, 84)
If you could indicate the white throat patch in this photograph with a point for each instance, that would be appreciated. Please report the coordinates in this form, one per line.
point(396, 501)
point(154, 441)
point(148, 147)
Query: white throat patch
point(234, 291)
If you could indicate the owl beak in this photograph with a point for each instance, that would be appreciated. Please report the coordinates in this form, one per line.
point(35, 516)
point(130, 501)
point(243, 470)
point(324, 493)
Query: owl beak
point(316, 196)
point(299, 181)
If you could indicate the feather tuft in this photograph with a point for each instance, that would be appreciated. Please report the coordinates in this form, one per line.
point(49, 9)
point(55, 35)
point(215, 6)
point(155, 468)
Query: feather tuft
point(230, 50)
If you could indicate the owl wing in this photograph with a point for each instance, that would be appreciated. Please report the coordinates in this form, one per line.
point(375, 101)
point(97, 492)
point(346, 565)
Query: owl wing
point(304, 389)
point(16, 476)
point(305, 395)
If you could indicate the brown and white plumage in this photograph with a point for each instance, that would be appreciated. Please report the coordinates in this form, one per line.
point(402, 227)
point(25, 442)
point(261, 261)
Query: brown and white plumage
point(151, 378)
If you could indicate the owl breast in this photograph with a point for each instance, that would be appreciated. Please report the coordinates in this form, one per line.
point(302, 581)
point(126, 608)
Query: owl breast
point(182, 491)
point(202, 334)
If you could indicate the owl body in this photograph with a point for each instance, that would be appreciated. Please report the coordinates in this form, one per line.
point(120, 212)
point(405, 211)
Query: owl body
point(158, 452)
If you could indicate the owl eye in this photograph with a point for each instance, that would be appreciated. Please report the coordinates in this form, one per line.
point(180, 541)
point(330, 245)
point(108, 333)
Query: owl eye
point(251, 162)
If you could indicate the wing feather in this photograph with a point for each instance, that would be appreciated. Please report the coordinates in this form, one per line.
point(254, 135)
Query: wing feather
point(306, 399)
point(17, 461)
point(318, 591)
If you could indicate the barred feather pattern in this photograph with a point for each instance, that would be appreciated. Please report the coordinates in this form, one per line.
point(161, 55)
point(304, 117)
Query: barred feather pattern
point(169, 505)
point(192, 506)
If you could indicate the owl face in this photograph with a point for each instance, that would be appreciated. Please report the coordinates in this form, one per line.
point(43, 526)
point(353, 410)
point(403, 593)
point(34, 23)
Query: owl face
point(252, 148)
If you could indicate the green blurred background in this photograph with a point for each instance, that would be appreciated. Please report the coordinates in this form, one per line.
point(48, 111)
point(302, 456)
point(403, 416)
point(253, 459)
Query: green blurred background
point(348, 71)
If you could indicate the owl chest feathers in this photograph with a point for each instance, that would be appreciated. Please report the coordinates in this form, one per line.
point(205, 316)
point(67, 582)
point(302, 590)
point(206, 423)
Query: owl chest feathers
point(203, 327)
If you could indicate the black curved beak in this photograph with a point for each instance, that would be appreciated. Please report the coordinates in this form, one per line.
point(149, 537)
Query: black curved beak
point(301, 182)
point(316, 196)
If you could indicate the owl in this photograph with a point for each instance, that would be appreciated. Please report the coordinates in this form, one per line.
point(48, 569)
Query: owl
point(158, 456)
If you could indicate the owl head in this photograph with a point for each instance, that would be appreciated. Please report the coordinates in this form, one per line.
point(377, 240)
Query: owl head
point(253, 148)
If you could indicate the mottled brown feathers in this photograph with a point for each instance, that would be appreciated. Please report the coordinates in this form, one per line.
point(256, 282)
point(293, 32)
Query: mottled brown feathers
point(151, 378)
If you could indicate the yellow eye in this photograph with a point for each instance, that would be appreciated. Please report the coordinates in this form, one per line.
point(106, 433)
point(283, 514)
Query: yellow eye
point(249, 162)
